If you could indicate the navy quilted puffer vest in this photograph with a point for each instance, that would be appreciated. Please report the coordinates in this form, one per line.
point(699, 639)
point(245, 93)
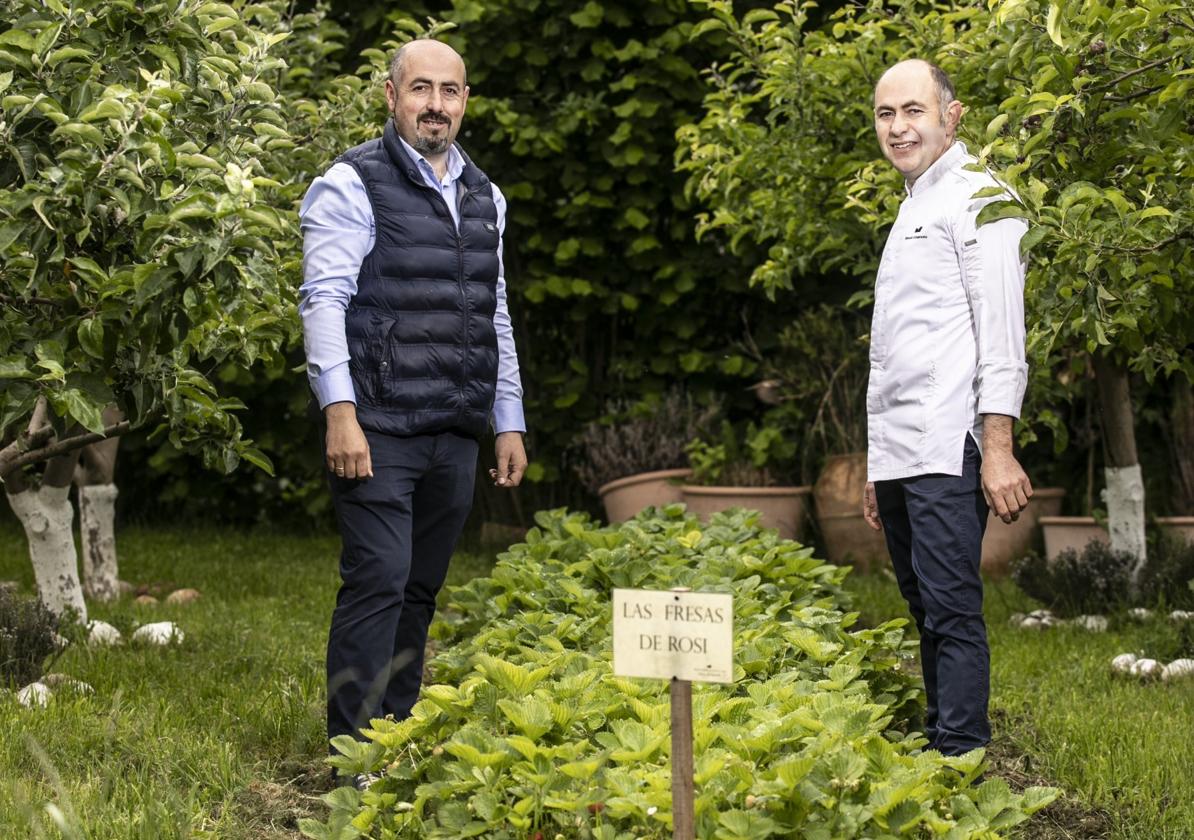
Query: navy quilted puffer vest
point(420, 327)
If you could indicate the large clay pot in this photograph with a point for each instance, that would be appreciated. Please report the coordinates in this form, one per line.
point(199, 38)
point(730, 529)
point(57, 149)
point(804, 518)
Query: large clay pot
point(838, 496)
point(782, 508)
point(1005, 542)
point(625, 497)
point(1178, 526)
point(1062, 532)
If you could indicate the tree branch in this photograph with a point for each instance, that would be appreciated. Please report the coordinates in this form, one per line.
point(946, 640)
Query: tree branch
point(13, 300)
point(1129, 74)
point(34, 447)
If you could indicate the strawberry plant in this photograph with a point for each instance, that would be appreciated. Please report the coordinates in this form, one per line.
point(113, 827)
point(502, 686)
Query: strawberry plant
point(524, 730)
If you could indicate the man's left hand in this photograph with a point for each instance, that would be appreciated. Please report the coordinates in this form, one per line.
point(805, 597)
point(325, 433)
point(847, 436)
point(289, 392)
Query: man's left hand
point(511, 460)
point(1005, 485)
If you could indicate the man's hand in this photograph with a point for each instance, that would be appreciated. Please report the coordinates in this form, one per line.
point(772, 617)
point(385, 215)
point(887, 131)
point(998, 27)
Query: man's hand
point(511, 460)
point(347, 449)
point(870, 507)
point(1005, 485)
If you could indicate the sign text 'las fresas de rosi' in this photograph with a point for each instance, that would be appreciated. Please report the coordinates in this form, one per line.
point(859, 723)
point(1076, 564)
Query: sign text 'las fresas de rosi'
point(685, 635)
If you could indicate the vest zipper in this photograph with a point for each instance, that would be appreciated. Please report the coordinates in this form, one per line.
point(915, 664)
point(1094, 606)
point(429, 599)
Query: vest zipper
point(417, 178)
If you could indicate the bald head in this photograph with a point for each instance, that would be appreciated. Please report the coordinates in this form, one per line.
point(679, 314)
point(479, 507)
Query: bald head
point(425, 48)
point(915, 69)
point(916, 115)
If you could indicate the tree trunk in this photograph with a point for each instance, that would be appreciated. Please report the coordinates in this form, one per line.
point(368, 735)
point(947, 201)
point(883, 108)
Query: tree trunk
point(97, 513)
point(97, 517)
point(47, 516)
point(1181, 445)
point(1125, 484)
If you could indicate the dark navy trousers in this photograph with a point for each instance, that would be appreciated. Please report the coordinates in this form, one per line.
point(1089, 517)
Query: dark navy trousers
point(934, 528)
point(398, 530)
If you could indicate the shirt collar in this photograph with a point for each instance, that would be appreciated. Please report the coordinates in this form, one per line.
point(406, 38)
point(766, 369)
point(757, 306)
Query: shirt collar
point(455, 161)
point(939, 167)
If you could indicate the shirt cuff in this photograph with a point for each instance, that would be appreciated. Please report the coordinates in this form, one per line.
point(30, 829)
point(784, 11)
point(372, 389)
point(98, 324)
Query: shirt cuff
point(333, 385)
point(508, 417)
point(1001, 386)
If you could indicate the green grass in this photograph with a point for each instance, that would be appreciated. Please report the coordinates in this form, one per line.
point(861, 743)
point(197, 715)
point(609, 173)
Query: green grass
point(221, 736)
point(1119, 748)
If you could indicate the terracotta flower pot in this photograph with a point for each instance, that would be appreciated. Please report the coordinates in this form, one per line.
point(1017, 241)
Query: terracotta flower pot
point(625, 497)
point(1062, 532)
point(1178, 526)
point(838, 498)
point(1004, 542)
point(782, 508)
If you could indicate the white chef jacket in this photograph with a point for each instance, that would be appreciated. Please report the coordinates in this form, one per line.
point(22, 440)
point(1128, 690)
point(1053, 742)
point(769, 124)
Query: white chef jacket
point(947, 334)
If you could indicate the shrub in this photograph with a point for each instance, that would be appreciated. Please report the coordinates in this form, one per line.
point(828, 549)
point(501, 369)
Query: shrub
point(1099, 580)
point(27, 638)
point(528, 733)
point(1168, 575)
point(1095, 580)
point(641, 437)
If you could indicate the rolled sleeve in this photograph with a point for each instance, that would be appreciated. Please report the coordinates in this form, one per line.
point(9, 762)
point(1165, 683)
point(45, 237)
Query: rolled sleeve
point(338, 233)
point(507, 406)
point(994, 274)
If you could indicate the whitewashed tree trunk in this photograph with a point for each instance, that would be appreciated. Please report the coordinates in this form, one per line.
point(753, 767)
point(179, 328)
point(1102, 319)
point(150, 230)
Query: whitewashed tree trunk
point(1125, 486)
point(97, 517)
point(1125, 511)
point(48, 516)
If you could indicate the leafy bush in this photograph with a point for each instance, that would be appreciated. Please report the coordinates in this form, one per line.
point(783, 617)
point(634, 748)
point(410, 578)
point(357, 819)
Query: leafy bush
point(641, 437)
point(27, 638)
point(1168, 574)
point(527, 733)
point(752, 459)
point(1093, 581)
point(1098, 580)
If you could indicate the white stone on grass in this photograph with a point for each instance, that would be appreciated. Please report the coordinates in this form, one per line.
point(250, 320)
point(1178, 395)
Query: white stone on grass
point(1093, 623)
point(1181, 615)
point(62, 682)
point(102, 633)
point(1123, 663)
point(182, 596)
point(1178, 669)
point(1147, 669)
point(1140, 613)
point(158, 633)
point(35, 694)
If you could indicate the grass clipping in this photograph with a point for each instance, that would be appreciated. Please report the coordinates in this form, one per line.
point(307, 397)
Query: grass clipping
point(525, 731)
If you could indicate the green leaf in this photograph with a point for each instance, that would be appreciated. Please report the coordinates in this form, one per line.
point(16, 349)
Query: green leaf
point(103, 110)
point(997, 210)
point(1053, 24)
point(1034, 235)
point(91, 337)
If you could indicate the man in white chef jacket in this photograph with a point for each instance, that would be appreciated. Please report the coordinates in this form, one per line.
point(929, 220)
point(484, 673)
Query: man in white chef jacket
point(946, 383)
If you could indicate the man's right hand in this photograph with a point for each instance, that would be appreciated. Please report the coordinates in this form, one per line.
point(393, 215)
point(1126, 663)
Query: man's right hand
point(870, 507)
point(347, 449)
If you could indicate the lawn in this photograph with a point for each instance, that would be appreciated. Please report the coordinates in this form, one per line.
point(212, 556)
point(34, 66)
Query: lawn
point(222, 736)
point(1119, 748)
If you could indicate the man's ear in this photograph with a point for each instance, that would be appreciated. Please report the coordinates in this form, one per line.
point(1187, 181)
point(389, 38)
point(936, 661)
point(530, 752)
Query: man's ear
point(391, 95)
point(953, 116)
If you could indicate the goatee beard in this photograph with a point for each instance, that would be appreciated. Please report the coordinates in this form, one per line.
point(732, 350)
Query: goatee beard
point(430, 145)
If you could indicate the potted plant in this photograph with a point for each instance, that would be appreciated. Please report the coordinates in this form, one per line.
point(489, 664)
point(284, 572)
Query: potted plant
point(817, 378)
point(634, 456)
point(728, 474)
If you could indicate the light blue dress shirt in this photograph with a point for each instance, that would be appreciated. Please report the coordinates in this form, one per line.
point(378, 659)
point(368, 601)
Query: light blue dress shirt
point(338, 233)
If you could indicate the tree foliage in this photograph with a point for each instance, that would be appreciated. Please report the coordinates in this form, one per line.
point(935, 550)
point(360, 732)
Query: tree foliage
point(1082, 107)
point(153, 160)
point(573, 112)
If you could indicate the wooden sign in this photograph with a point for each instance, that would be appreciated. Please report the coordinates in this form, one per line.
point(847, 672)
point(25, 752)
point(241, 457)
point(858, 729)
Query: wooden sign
point(674, 635)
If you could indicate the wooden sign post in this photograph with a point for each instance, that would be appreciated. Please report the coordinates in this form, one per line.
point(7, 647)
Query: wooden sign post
point(680, 636)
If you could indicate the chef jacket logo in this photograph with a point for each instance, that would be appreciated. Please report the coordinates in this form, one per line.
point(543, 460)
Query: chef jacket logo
point(916, 234)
